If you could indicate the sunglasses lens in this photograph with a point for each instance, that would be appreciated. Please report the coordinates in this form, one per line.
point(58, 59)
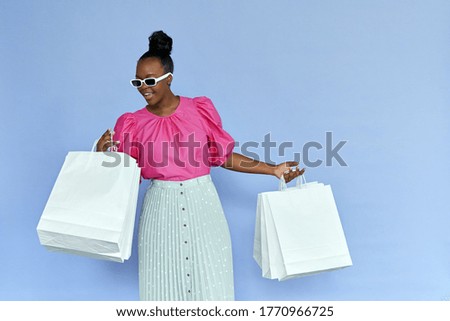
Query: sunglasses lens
point(150, 81)
point(136, 83)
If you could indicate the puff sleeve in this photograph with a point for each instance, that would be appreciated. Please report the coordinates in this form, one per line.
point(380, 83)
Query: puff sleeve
point(220, 143)
point(124, 131)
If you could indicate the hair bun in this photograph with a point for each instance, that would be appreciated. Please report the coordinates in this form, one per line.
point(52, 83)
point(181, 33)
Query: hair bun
point(160, 44)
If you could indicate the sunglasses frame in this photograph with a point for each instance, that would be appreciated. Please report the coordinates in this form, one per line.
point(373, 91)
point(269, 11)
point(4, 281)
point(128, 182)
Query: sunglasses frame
point(157, 80)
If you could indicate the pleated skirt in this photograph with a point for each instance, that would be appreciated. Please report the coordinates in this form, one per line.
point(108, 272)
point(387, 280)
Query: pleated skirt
point(184, 243)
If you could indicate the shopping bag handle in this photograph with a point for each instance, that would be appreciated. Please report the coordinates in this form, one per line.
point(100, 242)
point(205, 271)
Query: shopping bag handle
point(93, 149)
point(299, 182)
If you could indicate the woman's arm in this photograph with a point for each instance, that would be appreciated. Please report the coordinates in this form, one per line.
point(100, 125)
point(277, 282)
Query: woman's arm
point(240, 163)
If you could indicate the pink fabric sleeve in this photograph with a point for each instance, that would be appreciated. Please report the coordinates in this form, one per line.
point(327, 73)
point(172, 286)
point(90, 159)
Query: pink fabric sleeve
point(124, 132)
point(220, 143)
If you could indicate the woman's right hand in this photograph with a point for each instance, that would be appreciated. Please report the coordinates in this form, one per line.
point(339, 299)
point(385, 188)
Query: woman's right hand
point(106, 141)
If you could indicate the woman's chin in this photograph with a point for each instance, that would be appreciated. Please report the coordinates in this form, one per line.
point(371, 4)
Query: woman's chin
point(148, 99)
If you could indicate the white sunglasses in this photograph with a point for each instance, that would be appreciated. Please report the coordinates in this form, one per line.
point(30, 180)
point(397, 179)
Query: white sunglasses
point(151, 82)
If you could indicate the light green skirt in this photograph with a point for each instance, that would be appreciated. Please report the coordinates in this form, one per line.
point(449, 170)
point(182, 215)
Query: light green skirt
point(184, 243)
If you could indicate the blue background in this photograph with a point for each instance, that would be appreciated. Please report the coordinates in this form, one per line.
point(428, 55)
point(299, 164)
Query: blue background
point(374, 73)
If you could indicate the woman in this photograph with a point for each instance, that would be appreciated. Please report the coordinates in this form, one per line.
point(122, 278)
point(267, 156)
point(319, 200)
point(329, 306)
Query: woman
point(184, 241)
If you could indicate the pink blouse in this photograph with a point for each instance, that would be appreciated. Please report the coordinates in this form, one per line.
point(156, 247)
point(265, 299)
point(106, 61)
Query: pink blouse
point(177, 147)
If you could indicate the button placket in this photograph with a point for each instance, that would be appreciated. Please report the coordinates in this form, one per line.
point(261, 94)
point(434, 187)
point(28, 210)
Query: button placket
point(186, 243)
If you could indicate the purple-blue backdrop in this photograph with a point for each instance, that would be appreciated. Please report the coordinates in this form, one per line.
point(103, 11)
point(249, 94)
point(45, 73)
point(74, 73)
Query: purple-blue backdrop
point(374, 73)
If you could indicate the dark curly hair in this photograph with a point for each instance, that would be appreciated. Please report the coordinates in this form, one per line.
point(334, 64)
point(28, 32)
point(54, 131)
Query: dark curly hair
point(160, 46)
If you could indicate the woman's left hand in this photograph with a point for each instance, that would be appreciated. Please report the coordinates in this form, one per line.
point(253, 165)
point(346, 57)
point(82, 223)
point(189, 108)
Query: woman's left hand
point(286, 170)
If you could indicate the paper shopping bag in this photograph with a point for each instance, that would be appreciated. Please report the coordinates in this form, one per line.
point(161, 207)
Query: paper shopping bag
point(261, 251)
point(268, 253)
point(91, 209)
point(299, 232)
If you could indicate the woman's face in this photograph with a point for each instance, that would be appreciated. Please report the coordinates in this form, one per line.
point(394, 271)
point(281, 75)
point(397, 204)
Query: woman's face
point(152, 67)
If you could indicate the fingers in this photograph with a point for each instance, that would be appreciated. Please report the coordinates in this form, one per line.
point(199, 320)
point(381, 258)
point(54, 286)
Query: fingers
point(106, 142)
point(292, 173)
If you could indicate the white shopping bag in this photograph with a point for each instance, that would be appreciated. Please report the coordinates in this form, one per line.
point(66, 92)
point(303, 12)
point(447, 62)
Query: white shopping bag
point(298, 232)
point(91, 209)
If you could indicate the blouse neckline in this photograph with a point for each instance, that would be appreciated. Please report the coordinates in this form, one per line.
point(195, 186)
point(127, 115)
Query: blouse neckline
point(180, 103)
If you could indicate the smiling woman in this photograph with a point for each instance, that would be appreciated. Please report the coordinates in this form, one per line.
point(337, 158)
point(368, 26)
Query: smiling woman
point(160, 98)
point(184, 244)
point(374, 73)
